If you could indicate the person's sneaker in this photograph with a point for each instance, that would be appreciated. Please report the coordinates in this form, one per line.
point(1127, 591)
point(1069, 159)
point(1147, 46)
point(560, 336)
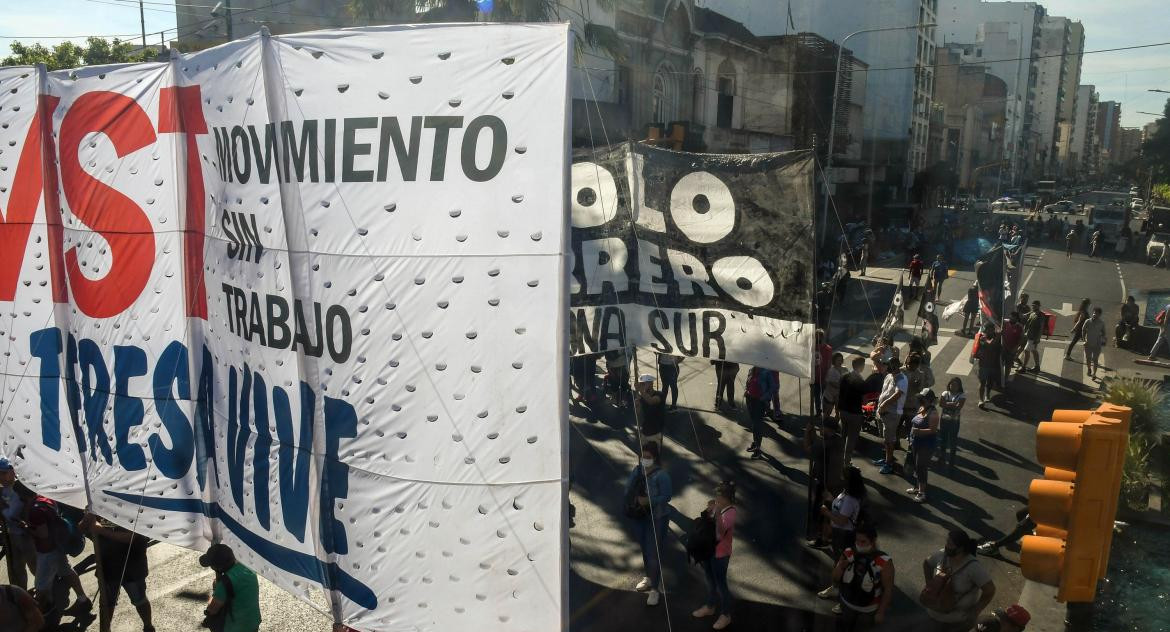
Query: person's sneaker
point(987, 548)
point(653, 597)
point(828, 593)
point(836, 609)
point(816, 543)
point(912, 490)
point(757, 455)
point(705, 611)
point(754, 447)
point(881, 461)
point(722, 622)
point(886, 469)
point(644, 585)
point(919, 498)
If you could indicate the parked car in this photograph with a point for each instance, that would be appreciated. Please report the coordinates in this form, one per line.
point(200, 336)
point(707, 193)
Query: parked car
point(1005, 204)
point(1156, 246)
point(981, 205)
point(1064, 206)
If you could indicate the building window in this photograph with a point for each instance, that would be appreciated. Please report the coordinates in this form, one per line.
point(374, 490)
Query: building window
point(725, 86)
point(698, 96)
point(665, 94)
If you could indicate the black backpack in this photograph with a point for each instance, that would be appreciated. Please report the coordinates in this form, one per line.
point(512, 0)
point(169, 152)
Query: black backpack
point(701, 540)
point(860, 584)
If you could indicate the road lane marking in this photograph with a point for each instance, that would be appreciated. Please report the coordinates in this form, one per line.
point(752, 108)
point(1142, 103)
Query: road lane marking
point(1035, 264)
point(1124, 294)
point(962, 364)
point(1052, 361)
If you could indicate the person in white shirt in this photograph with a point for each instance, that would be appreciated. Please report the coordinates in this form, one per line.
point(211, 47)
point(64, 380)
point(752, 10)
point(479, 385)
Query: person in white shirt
point(889, 405)
point(1093, 333)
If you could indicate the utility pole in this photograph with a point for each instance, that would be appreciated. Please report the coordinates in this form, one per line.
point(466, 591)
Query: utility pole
point(227, 14)
point(142, 22)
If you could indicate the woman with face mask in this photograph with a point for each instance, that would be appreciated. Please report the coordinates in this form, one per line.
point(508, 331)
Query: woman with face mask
point(648, 493)
point(722, 510)
point(865, 575)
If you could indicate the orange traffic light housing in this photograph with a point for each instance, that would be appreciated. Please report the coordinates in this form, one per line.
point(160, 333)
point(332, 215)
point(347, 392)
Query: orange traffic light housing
point(1074, 505)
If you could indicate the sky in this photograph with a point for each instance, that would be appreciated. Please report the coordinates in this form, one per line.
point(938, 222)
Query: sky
point(1123, 76)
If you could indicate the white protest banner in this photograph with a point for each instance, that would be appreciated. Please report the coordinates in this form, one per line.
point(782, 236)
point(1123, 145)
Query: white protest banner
point(694, 255)
point(304, 295)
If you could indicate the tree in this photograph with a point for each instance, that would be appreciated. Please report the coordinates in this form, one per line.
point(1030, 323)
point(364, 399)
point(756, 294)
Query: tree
point(97, 51)
point(1156, 149)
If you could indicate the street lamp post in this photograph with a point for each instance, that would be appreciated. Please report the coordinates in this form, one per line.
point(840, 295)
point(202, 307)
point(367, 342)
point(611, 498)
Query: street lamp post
point(833, 111)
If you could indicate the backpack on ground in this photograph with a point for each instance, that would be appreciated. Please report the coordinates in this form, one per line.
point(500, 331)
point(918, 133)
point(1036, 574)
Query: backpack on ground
point(701, 540)
point(860, 584)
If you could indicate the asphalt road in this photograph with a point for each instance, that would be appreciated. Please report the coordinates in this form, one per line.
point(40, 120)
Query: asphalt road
point(773, 575)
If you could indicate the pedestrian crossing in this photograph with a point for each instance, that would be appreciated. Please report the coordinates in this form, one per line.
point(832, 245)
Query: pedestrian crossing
point(953, 351)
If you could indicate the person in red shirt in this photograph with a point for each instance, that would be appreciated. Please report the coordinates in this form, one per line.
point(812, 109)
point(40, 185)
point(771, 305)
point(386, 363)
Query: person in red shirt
point(1010, 337)
point(915, 275)
point(719, 600)
point(821, 363)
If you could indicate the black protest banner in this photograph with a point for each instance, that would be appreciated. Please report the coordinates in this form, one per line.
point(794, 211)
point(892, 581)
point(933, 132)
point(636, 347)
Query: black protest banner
point(991, 276)
point(695, 255)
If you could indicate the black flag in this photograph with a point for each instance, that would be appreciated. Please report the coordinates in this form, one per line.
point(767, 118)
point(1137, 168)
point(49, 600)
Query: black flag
point(990, 275)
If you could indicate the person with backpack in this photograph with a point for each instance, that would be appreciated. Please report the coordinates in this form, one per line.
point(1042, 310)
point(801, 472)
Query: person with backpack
point(123, 567)
point(761, 386)
point(865, 576)
point(235, 596)
point(52, 535)
point(721, 510)
point(957, 587)
point(19, 611)
point(647, 501)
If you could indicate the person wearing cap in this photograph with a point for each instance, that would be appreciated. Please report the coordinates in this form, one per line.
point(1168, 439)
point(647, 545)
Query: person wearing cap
point(889, 406)
point(650, 408)
point(923, 437)
point(235, 590)
point(22, 554)
point(1014, 618)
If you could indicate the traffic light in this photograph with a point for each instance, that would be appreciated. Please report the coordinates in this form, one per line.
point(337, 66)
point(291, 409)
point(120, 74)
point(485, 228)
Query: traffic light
point(1073, 506)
